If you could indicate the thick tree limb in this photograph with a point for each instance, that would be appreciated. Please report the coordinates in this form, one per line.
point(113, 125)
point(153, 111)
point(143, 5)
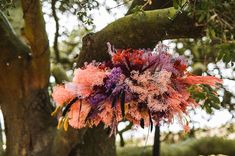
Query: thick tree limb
point(138, 31)
point(36, 35)
point(13, 52)
point(8, 36)
point(34, 28)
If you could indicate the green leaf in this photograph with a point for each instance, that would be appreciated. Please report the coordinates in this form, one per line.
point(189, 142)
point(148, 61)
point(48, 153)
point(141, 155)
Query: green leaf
point(137, 9)
point(208, 110)
point(227, 57)
point(201, 18)
point(201, 95)
point(215, 105)
point(212, 33)
point(214, 98)
point(207, 107)
point(220, 55)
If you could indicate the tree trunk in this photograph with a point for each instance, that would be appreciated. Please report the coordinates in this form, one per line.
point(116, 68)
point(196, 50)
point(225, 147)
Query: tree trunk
point(157, 142)
point(24, 97)
point(27, 131)
point(95, 143)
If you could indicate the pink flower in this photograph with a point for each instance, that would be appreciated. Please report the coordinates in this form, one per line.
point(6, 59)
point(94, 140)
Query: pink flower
point(134, 115)
point(108, 113)
point(156, 104)
point(149, 86)
point(61, 95)
point(85, 79)
point(78, 89)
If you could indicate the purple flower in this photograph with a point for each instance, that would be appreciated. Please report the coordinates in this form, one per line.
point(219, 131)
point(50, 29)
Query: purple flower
point(97, 98)
point(113, 78)
point(165, 61)
point(168, 63)
point(114, 86)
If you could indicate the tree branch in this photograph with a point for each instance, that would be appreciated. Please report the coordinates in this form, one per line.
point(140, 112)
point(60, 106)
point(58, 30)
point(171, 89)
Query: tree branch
point(55, 46)
point(120, 133)
point(34, 28)
point(35, 33)
point(142, 30)
point(13, 54)
point(10, 41)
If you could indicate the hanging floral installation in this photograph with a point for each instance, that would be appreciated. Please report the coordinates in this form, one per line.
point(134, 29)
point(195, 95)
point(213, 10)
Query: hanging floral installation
point(142, 86)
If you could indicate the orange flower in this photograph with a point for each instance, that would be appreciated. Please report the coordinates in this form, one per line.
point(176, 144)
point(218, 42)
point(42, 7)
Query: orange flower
point(208, 80)
point(133, 56)
point(78, 113)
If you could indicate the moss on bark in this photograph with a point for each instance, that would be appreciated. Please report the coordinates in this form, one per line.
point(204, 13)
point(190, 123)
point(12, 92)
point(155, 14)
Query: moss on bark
point(141, 30)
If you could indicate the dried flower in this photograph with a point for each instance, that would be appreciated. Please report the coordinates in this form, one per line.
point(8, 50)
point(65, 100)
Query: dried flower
point(87, 78)
point(143, 86)
point(61, 95)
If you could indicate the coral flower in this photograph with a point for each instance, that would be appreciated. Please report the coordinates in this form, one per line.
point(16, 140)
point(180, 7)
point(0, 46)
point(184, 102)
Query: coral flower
point(78, 113)
point(87, 78)
point(108, 113)
point(61, 95)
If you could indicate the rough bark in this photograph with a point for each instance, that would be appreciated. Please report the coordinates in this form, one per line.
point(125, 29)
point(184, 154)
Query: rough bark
point(141, 30)
point(96, 142)
point(35, 33)
point(25, 108)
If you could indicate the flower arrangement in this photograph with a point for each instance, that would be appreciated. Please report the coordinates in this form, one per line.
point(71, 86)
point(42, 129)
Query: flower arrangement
point(142, 86)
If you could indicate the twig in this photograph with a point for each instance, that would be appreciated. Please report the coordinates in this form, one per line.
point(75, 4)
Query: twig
point(119, 5)
point(128, 127)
